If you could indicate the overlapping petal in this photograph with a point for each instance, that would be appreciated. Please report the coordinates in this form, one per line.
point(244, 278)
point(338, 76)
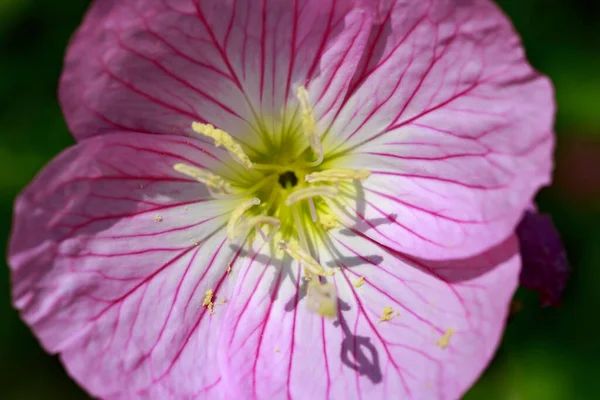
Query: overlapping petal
point(454, 124)
point(545, 265)
point(111, 256)
point(272, 347)
point(155, 66)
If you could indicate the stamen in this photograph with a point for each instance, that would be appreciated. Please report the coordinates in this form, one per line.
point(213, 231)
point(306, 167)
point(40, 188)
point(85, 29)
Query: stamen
point(309, 192)
point(224, 139)
point(263, 219)
point(300, 228)
point(337, 175)
point(211, 180)
point(237, 214)
point(322, 299)
point(313, 212)
point(309, 126)
point(293, 249)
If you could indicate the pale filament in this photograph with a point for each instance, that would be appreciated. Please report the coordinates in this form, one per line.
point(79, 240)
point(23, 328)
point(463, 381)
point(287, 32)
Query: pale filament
point(258, 220)
point(337, 175)
point(306, 193)
point(309, 125)
point(313, 211)
point(211, 180)
point(237, 215)
point(293, 249)
point(300, 228)
point(224, 139)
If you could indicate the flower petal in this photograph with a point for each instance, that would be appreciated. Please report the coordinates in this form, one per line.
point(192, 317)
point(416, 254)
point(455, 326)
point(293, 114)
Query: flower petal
point(545, 264)
point(157, 65)
point(454, 124)
point(111, 254)
point(272, 347)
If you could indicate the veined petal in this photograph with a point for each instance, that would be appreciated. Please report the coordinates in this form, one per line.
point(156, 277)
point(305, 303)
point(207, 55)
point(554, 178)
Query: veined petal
point(111, 255)
point(454, 124)
point(410, 329)
point(158, 65)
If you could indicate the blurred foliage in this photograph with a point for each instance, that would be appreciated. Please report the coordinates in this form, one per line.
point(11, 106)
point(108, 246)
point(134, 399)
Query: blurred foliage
point(549, 354)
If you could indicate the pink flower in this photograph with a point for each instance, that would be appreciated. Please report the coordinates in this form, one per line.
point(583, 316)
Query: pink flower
point(390, 150)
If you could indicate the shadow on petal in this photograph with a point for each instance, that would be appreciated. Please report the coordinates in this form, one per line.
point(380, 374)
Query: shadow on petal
point(357, 352)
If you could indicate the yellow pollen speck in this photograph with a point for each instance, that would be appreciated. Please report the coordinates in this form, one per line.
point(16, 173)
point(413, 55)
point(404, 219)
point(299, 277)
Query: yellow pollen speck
point(359, 282)
point(185, 208)
point(276, 350)
point(387, 314)
point(224, 139)
point(337, 175)
point(211, 180)
point(229, 269)
point(158, 218)
point(445, 340)
point(208, 295)
point(322, 299)
point(223, 300)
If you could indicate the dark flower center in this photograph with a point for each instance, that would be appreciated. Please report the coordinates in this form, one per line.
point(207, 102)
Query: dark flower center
point(288, 179)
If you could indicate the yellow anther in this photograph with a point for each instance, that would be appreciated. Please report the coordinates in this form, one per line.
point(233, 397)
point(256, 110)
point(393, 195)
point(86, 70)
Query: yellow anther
point(224, 139)
point(237, 214)
point(328, 221)
point(262, 219)
point(387, 314)
point(337, 175)
point(306, 193)
point(445, 340)
point(208, 303)
point(359, 282)
point(309, 125)
point(322, 299)
point(293, 249)
point(208, 178)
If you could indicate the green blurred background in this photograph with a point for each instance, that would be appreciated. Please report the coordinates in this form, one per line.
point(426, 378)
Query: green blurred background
point(546, 354)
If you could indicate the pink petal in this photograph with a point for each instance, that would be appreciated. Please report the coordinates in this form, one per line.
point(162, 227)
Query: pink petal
point(111, 254)
point(155, 66)
point(272, 347)
point(453, 122)
point(545, 263)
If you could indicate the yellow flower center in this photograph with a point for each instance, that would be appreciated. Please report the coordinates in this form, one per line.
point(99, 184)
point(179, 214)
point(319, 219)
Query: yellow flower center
point(284, 194)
